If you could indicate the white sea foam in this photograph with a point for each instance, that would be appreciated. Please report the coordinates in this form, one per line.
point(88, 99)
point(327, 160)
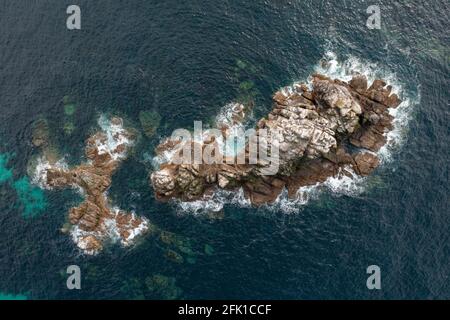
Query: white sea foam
point(396, 137)
point(225, 115)
point(79, 237)
point(229, 147)
point(39, 174)
point(133, 232)
point(350, 184)
point(353, 184)
point(109, 231)
point(215, 202)
point(116, 135)
point(165, 156)
point(346, 182)
point(291, 205)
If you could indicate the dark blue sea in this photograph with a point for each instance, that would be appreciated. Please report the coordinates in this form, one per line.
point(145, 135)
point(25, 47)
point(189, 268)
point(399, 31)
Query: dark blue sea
point(185, 60)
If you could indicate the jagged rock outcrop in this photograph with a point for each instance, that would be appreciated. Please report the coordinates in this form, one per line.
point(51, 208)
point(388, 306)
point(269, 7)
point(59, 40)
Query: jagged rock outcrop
point(332, 129)
point(95, 220)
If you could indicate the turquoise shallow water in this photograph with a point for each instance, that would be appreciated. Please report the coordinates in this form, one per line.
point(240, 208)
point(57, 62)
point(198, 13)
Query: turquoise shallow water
point(186, 60)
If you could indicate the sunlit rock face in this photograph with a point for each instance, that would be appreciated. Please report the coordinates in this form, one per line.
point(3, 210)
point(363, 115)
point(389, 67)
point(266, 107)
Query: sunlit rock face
point(95, 220)
point(330, 128)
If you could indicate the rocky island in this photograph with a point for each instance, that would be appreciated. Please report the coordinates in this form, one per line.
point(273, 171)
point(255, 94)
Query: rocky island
point(328, 129)
point(95, 220)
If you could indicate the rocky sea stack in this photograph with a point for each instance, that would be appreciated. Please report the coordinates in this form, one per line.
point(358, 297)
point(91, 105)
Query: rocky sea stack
point(328, 129)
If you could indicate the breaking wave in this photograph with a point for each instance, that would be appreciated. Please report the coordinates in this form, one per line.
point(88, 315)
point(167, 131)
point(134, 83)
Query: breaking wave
point(115, 136)
point(214, 202)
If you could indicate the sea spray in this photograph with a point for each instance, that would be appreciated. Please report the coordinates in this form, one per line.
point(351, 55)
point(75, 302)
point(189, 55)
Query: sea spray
point(116, 136)
point(214, 202)
point(349, 184)
point(39, 169)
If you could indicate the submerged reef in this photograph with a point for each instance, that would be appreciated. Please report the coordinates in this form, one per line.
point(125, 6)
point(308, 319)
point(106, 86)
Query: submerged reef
point(70, 109)
point(156, 286)
point(150, 121)
point(95, 220)
point(245, 74)
point(163, 287)
point(329, 128)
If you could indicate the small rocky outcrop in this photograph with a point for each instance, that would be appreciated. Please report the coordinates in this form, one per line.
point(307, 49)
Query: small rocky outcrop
point(95, 220)
point(333, 129)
